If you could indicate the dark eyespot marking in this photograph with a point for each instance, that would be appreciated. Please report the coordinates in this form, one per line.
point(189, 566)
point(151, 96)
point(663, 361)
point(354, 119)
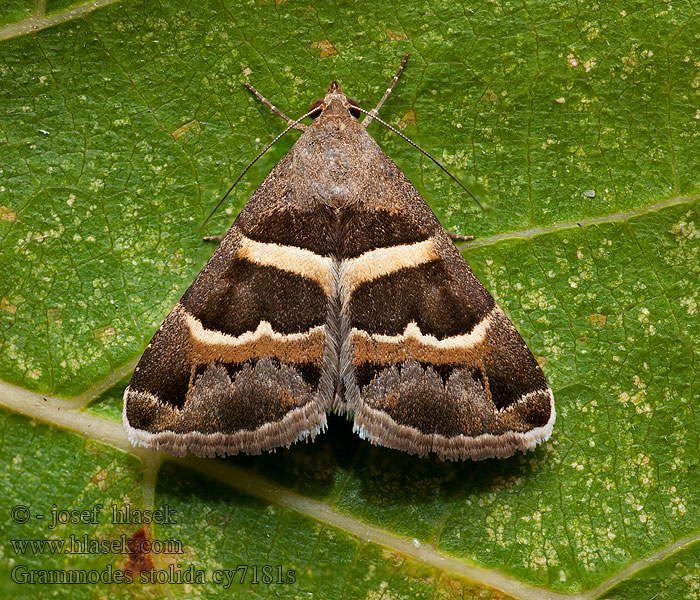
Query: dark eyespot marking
point(317, 104)
point(354, 113)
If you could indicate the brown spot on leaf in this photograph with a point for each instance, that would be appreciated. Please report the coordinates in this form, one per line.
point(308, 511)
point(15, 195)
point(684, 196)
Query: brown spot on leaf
point(7, 214)
point(188, 129)
point(177, 258)
point(326, 48)
point(541, 360)
point(53, 315)
point(99, 478)
point(393, 557)
point(395, 36)
point(140, 558)
point(453, 589)
point(6, 305)
point(598, 320)
point(491, 95)
point(408, 119)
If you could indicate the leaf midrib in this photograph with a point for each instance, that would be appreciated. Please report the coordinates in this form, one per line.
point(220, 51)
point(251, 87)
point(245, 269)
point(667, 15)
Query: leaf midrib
point(39, 20)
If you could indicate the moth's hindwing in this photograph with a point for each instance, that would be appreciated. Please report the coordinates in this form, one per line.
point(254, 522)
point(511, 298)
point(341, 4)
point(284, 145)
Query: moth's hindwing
point(430, 363)
point(243, 362)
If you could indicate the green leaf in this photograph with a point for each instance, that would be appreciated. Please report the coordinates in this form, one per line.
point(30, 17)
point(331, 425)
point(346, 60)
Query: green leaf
point(577, 124)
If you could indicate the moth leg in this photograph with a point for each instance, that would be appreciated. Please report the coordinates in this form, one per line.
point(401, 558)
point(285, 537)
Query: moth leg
point(458, 237)
point(273, 108)
point(214, 238)
point(375, 110)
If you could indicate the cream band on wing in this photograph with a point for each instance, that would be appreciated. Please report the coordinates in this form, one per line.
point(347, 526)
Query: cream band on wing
point(290, 258)
point(413, 344)
point(384, 261)
point(208, 345)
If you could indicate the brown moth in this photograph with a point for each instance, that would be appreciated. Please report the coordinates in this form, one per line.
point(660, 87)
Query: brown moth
point(337, 289)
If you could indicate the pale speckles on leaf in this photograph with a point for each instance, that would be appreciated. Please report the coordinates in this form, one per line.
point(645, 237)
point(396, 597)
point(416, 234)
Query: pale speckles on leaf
point(677, 506)
point(7, 306)
point(7, 214)
point(636, 397)
point(592, 31)
point(536, 298)
point(96, 185)
point(690, 304)
point(326, 48)
point(383, 593)
point(685, 228)
point(589, 64)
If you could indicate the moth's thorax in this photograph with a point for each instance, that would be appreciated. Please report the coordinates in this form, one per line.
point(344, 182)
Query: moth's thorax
point(335, 159)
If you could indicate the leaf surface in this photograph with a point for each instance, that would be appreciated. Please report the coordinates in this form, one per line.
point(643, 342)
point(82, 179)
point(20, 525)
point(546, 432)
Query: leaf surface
point(121, 125)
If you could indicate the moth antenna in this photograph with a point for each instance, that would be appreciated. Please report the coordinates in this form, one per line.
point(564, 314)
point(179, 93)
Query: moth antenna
point(435, 160)
point(373, 113)
point(273, 108)
point(252, 162)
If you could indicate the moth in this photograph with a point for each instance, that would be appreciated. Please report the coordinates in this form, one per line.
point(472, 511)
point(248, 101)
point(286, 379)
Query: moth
point(336, 289)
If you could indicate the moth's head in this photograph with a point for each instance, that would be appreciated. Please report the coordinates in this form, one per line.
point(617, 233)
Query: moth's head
point(335, 102)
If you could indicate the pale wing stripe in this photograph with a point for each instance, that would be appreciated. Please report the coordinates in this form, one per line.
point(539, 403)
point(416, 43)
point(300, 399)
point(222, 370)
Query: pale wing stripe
point(289, 258)
point(414, 344)
point(384, 261)
point(264, 329)
point(209, 345)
